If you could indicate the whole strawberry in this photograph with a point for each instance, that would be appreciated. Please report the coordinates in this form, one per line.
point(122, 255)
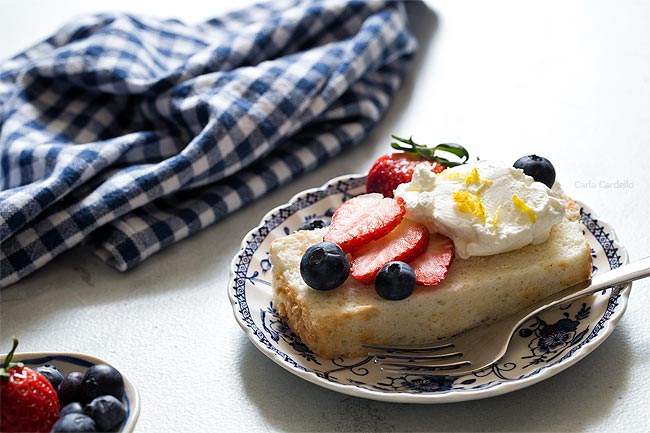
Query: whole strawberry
point(396, 168)
point(392, 169)
point(28, 401)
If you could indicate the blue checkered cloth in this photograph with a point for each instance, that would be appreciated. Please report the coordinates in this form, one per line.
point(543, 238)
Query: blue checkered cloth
point(129, 133)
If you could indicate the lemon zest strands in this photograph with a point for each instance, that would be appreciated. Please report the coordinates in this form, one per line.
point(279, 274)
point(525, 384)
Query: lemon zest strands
point(519, 204)
point(470, 203)
point(495, 217)
point(474, 178)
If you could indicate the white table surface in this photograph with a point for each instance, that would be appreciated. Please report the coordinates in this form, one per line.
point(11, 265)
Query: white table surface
point(568, 80)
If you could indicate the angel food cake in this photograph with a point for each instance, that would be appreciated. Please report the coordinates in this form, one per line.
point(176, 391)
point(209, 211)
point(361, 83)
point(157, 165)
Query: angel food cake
point(451, 250)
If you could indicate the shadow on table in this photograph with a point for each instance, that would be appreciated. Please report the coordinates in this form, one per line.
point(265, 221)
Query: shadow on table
point(574, 400)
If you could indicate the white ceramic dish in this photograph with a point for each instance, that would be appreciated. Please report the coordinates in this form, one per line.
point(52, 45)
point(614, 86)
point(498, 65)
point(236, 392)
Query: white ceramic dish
point(543, 347)
point(69, 362)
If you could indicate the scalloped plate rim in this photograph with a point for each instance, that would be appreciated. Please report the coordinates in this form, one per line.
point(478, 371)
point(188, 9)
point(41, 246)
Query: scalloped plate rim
point(426, 398)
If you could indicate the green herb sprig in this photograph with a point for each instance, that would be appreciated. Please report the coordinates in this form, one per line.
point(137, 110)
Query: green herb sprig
point(429, 153)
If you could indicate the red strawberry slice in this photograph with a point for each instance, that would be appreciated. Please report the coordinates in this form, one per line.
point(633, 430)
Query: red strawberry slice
point(392, 169)
point(405, 243)
point(431, 267)
point(363, 219)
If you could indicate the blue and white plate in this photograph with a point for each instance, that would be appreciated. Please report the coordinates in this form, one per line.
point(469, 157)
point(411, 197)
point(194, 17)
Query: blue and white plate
point(69, 362)
point(543, 347)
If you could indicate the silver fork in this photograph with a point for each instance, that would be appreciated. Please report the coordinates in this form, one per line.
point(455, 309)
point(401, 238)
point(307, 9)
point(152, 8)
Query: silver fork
point(482, 346)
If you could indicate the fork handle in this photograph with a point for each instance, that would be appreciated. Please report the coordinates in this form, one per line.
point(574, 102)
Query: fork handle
point(622, 274)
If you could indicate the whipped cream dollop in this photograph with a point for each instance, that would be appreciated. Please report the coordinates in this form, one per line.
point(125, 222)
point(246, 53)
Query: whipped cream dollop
point(484, 207)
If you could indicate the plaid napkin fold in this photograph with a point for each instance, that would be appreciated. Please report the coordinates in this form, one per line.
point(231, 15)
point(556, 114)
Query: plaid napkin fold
point(131, 133)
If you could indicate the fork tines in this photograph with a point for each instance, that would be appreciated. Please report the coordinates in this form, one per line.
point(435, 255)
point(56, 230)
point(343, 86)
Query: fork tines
point(408, 349)
point(402, 368)
point(418, 360)
point(414, 354)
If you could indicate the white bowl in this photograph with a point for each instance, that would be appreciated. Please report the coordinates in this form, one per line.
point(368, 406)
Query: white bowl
point(69, 362)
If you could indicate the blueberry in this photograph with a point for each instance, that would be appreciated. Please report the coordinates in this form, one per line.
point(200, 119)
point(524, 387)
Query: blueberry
point(107, 412)
point(70, 388)
point(102, 379)
point(537, 167)
point(324, 266)
point(74, 422)
point(51, 373)
point(74, 407)
point(315, 223)
point(395, 281)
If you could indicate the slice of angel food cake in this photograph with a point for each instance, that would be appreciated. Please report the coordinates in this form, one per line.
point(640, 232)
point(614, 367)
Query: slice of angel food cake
point(429, 252)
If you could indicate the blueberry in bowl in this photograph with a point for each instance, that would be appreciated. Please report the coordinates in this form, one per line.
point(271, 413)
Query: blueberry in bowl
point(74, 404)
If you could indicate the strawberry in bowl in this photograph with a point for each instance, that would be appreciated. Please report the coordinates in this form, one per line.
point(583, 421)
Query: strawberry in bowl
point(29, 401)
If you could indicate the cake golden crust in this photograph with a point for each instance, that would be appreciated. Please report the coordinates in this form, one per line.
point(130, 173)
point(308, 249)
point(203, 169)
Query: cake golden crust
point(478, 290)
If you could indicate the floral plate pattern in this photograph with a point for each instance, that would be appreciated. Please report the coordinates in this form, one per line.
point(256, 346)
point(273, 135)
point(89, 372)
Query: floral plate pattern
point(544, 346)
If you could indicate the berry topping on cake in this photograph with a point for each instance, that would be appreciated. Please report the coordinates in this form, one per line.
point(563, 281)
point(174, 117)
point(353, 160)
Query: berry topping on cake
point(406, 242)
point(537, 167)
point(317, 222)
point(395, 281)
point(363, 219)
point(324, 266)
point(393, 169)
point(396, 168)
point(431, 267)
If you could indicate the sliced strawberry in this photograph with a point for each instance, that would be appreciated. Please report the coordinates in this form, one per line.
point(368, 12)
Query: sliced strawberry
point(431, 267)
point(363, 219)
point(393, 169)
point(405, 243)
